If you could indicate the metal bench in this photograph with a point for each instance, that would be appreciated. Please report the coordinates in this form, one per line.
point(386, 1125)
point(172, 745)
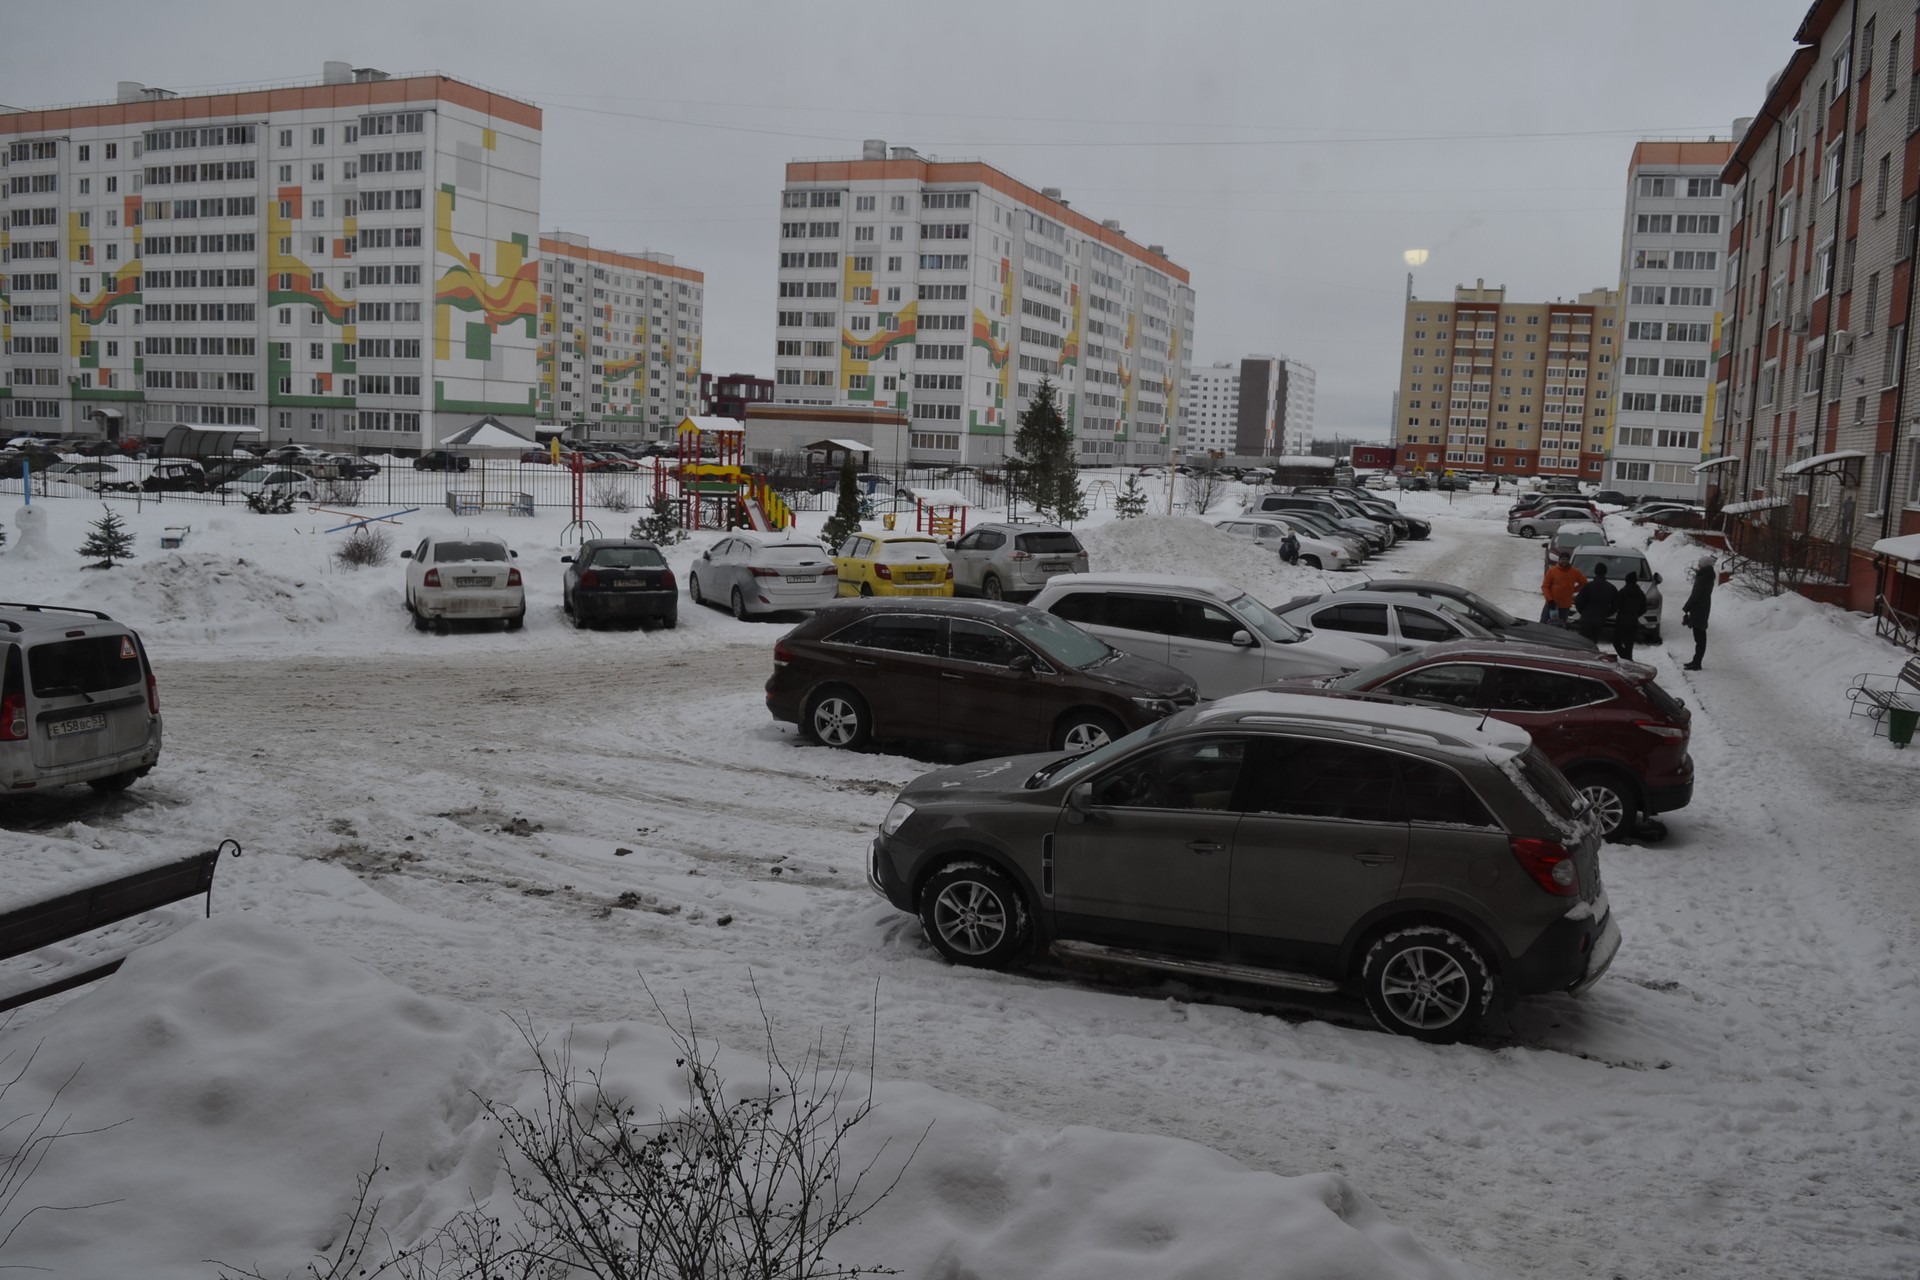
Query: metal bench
point(1885, 699)
point(68, 913)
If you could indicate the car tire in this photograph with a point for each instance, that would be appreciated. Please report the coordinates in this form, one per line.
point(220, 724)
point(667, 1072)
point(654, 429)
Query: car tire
point(866, 589)
point(975, 915)
point(1653, 636)
point(303, 496)
point(739, 603)
point(990, 587)
point(442, 627)
point(1427, 982)
point(1083, 730)
point(1614, 799)
point(693, 589)
point(114, 783)
point(1312, 562)
point(671, 621)
point(1528, 531)
point(419, 619)
point(516, 622)
point(836, 716)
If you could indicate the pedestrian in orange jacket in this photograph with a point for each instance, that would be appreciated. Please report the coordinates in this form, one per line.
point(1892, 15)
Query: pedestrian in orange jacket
point(1559, 587)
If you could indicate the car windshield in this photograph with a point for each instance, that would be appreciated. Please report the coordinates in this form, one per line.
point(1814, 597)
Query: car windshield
point(790, 553)
point(1071, 768)
point(1619, 565)
point(1483, 611)
point(1265, 621)
point(625, 558)
point(447, 552)
point(1062, 642)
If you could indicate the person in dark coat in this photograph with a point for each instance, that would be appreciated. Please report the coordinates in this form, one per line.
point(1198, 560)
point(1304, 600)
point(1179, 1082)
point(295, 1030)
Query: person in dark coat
point(1699, 605)
point(1594, 604)
point(1290, 548)
point(1628, 605)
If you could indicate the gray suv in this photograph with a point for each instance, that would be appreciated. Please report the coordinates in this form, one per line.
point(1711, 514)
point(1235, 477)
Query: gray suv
point(1010, 561)
point(1434, 862)
point(78, 702)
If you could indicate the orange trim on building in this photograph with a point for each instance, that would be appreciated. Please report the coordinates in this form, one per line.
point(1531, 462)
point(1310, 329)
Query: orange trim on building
point(626, 262)
point(260, 103)
point(1716, 153)
point(986, 176)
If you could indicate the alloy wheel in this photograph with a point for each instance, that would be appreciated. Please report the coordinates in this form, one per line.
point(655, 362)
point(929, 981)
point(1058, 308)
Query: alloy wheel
point(970, 917)
point(1425, 987)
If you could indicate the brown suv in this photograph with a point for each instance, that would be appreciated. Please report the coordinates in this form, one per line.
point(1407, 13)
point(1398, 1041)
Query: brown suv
point(973, 673)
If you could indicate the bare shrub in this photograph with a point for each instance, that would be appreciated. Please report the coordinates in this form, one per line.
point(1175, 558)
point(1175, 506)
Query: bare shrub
point(339, 491)
point(612, 495)
point(1204, 487)
point(365, 547)
point(25, 1141)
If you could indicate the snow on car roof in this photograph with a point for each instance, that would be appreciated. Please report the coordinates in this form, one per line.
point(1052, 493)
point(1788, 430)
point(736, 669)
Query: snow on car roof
point(1440, 727)
point(1216, 587)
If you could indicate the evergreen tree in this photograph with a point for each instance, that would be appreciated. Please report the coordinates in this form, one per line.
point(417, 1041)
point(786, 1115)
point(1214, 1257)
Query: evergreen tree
point(109, 540)
point(1042, 470)
point(845, 520)
point(662, 525)
point(1131, 501)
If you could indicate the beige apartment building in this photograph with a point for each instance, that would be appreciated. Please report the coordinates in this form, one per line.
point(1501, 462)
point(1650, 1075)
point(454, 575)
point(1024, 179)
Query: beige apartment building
point(1511, 388)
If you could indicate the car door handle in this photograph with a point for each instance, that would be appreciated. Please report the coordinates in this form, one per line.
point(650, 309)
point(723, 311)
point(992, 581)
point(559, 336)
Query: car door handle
point(1372, 859)
point(865, 662)
point(1204, 846)
point(951, 675)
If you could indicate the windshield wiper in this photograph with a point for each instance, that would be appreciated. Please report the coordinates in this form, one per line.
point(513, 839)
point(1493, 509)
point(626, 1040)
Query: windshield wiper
point(61, 689)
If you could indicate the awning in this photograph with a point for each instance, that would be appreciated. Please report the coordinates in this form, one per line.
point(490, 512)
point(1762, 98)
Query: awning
point(1757, 504)
point(1724, 460)
point(102, 411)
point(1906, 547)
point(1821, 463)
point(845, 446)
point(489, 435)
point(712, 426)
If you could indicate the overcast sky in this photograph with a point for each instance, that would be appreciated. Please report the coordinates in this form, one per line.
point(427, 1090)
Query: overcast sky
point(1285, 153)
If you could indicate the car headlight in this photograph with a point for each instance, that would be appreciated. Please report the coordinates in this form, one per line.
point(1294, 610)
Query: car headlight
point(897, 815)
point(1156, 706)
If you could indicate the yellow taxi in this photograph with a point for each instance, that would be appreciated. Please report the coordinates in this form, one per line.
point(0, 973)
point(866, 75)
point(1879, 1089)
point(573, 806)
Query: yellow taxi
point(893, 564)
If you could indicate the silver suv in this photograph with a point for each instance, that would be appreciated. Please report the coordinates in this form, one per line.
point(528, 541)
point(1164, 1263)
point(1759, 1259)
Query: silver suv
point(1432, 861)
point(78, 702)
point(1008, 561)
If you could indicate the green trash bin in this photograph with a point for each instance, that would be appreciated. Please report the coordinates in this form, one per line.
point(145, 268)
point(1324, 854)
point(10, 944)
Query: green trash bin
point(1900, 724)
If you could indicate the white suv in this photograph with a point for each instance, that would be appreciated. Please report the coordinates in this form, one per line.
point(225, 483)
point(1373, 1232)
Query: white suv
point(78, 702)
point(1010, 561)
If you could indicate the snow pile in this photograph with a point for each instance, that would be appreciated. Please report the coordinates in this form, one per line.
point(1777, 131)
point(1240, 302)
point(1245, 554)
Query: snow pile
point(1187, 545)
point(270, 1068)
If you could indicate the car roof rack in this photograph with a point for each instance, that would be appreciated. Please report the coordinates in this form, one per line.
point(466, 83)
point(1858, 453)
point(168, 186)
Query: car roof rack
point(60, 608)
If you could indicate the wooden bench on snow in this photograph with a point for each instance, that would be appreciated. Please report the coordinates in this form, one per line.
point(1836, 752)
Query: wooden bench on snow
point(68, 913)
point(1874, 695)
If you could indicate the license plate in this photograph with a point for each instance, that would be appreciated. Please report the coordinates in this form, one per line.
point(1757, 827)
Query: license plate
point(628, 584)
point(78, 724)
point(916, 577)
point(804, 580)
point(1054, 566)
point(473, 582)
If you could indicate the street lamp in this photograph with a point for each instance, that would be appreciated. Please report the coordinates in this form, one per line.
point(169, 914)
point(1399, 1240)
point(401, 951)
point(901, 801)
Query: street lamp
point(1413, 258)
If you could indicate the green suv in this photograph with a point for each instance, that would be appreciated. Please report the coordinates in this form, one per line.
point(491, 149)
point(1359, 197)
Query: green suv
point(1430, 861)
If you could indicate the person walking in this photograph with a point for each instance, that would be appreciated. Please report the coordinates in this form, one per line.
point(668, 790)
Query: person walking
point(1558, 587)
point(1693, 615)
point(1628, 605)
point(1595, 603)
point(1290, 548)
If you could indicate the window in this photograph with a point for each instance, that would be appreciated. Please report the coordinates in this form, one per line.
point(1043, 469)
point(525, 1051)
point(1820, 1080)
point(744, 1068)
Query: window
point(1833, 168)
point(1893, 65)
point(1194, 775)
point(1867, 313)
point(1880, 185)
point(319, 137)
point(1310, 778)
point(1896, 356)
point(1656, 186)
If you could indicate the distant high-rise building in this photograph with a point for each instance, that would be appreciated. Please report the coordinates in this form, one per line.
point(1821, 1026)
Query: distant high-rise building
point(1672, 255)
point(619, 340)
point(949, 291)
point(1259, 407)
point(1514, 388)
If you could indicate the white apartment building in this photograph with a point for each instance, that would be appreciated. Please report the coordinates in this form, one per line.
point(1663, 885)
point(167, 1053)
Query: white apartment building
point(1294, 429)
point(619, 340)
point(348, 263)
point(1258, 407)
point(1673, 256)
point(950, 290)
point(1210, 406)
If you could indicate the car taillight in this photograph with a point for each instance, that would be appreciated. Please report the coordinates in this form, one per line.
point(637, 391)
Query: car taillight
point(1550, 865)
point(883, 571)
point(13, 718)
point(668, 580)
point(589, 580)
point(946, 571)
point(513, 577)
point(1079, 555)
point(1021, 555)
point(153, 695)
point(781, 654)
point(763, 573)
point(1660, 730)
point(831, 571)
point(432, 579)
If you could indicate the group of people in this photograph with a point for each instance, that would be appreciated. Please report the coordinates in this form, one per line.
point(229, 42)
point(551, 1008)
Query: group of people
point(1596, 602)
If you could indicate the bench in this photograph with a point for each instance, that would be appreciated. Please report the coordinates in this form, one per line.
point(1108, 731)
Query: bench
point(474, 504)
point(68, 913)
point(1876, 696)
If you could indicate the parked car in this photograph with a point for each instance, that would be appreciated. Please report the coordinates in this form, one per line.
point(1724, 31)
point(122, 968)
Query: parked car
point(1620, 562)
point(1619, 737)
point(1450, 484)
point(1392, 623)
point(1432, 863)
point(346, 466)
point(1675, 516)
point(893, 564)
point(442, 460)
point(1378, 536)
point(294, 455)
point(1319, 526)
point(78, 700)
point(753, 573)
point(619, 579)
point(1488, 615)
point(1414, 484)
point(1212, 630)
point(1269, 532)
point(989, 675)
point(1576, 533)
point(101, 477)
point(176, 476)
point(463, 577)
point(1360, 502)
point(274, 482)
point(1547, 520)
point(1012, 561)
point(123, 447)
point(1612, 498)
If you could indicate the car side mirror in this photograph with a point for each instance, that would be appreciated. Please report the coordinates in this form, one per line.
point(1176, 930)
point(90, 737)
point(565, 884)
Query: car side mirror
point(707, 554)
point(1656, 579)
point(950, 545)
point(1080, 802)
point(514, 554)
point(566, 559)
point(1023, 663)
point(406, 555)
point(1241, 639)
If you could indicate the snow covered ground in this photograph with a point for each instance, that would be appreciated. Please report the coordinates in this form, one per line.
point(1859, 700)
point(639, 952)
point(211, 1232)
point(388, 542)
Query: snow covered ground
point(444, 832)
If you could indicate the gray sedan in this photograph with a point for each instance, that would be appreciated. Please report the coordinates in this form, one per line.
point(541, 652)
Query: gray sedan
point(753, 573)
point(1392, 622)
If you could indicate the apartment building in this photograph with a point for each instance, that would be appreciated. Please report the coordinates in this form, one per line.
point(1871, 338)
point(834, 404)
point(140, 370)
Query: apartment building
point(1672, 250)
point(1511, 388)
point(1815, 444)
point(1258, 407)
point(949, 291)
point(348, 262)
point(619, 341)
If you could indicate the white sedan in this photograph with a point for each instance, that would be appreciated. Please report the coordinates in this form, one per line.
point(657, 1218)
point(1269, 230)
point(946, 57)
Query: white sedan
point(274, 482)
point(1315, 553)
point(753, 573)
point(463, 578)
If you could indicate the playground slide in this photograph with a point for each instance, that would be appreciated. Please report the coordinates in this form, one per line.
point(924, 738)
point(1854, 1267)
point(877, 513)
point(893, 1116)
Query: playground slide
point(755, 516)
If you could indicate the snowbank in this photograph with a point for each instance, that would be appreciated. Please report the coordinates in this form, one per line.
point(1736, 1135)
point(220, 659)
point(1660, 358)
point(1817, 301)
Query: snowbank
point(1186, 545)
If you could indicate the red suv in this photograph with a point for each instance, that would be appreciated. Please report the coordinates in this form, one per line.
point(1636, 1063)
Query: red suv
point(1620, 738)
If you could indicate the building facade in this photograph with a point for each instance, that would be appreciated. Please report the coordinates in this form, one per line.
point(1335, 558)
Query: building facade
point(619, 341)
point(1671, 258)
point(1823, 449)
point(1210, 408)
point(1293, 430)
point(727, 395)
point(950, 291)
point(1510, 388)
point(343, 263)
point(1258, 407)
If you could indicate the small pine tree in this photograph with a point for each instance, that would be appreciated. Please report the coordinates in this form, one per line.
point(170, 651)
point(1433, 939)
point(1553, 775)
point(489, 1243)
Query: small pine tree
point(661, 526)
point(845, 520)
point(1042, 470)
point(109, 540)
point(1131, 501)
